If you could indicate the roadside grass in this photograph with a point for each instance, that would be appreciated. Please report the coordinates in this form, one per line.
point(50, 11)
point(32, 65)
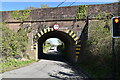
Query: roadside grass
point(96, 72)
point(14, 64)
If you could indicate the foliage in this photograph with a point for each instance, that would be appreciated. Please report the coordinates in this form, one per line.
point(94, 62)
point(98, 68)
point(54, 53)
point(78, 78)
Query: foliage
point(44, 6)
point(21, 15)
point(14, 64)
point(81, 13)
point(96, 32)
point(29, 29)
point(60, 42)
point(30, 8)
point(14, 44)
point(46, 46)
point(97, 57)
point(102, 14)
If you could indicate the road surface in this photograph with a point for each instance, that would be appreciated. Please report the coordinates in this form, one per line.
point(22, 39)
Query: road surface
point(48, 69)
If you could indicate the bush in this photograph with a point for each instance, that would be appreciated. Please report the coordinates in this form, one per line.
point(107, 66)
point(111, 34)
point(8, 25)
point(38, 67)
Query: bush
point(97, 57)
point(14, 44)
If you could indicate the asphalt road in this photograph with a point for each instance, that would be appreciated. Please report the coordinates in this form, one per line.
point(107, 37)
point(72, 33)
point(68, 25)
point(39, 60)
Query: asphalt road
point(49, 68)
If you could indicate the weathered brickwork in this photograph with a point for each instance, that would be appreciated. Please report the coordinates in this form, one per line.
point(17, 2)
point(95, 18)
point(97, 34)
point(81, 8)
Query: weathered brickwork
point(68, 12)
point(112, 8)
point(54, 13)
point(47, 17)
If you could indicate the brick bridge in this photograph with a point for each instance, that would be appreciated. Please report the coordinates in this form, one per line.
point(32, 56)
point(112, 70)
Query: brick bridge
point(72, 31)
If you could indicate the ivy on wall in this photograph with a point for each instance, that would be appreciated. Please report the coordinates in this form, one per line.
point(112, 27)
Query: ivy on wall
point(103, 14)
point(14, 45)
point(106, 16)
point(81, 13)
point(21, 15)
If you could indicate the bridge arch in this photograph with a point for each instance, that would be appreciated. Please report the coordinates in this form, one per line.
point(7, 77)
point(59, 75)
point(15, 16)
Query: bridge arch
point(46, 30)
point(68, 37)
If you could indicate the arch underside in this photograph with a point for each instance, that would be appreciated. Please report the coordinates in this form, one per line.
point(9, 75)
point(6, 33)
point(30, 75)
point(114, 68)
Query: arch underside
point(69, 38)
point(43, 31)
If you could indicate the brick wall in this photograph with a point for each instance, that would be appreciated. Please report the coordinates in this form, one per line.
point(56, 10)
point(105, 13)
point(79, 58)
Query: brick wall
point(108, 8)
point(66, 12)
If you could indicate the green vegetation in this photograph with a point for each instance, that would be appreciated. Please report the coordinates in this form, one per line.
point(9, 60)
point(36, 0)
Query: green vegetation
point(21, 15)
point(14, 64)
point(31, 8)
point(46, 46)
point(96, 59)
point(103, 14)
point(44, 6)
point(41, 6)
point(14, 44)
point(81, 13)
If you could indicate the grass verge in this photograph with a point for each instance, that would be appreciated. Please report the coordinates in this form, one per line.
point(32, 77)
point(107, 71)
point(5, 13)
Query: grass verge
point(14, 64)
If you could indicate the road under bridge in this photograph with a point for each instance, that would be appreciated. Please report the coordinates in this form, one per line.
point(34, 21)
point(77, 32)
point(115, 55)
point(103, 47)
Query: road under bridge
point(53, 67)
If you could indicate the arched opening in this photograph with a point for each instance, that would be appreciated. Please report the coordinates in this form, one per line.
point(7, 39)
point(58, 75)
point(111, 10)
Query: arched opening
point(52, 45)
point(53, 49)
point(69, 44)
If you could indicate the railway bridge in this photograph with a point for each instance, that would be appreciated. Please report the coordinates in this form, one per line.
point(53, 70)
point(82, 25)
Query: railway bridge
point(71, 32)
point(69, 36)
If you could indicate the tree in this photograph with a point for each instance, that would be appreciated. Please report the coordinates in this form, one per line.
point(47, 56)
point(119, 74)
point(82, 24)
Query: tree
point(44, 6)
point(13, 44)
point(30, 8)
point(60, 42)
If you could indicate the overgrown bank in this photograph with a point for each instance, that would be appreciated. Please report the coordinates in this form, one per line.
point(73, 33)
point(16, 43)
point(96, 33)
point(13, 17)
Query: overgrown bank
point(96, 58)
point(14, 46)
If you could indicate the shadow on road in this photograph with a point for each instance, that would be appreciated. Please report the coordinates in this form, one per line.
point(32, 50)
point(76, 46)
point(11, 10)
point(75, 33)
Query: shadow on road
point(55, 56)
point(66, 76)
point(69, 74)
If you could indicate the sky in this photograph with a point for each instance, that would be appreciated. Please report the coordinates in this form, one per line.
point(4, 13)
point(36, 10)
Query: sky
point(10, 5)
point(57, 0)
point(53, 41)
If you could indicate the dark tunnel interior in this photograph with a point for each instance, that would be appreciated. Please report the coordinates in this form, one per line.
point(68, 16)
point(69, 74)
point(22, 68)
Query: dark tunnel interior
point(69, 44)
